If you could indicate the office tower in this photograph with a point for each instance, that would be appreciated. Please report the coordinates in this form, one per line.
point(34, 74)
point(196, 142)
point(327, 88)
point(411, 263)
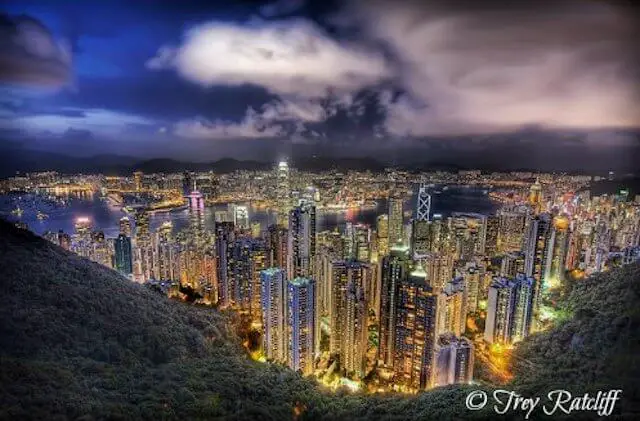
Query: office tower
point(509, 310)
point(512, 264)
point(123, 255)
point(273, 304)
point(283, 192)
point(511, 228)
point(143, 253)
point(415, 333)
point(239, 215)
point(535, 197)
point(301, 244)
point(491, 240)
point(195, 199)
point(420, 238)
point(471, 276)
point(222, 216)
point(395, 219)
point(277, 238)
point(395, 268)
point(536, 250)
point(166, 252)
point(188, 183)
point(225, 237)
point(137, 180)
point(439, 268)
point(82, 242)
point(454, 360)
point(452, 309)
point(382, 234)
point(348, 313)
point(125, 226)
point(259, 262)
point(423, 205)
point(301, 324)
point(555, 259)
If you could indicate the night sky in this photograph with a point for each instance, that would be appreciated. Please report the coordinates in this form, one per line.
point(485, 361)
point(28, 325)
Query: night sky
point(539, 83)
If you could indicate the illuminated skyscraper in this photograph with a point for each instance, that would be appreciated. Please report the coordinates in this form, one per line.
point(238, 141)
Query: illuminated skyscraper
point(395, 220)
point(452, 309)
point(188, 183)
point(382, 233)
point(439, 268)
point(137, 180)
point(277, 238)
point(415, 333)
point(348, 313)
point(454, 360)
point(123, 255)
point(511, 228)
point(273, 300)
point(535, 197)
point(471, 276)
point(423, 206)
point(395, 268)
point(143, 253)
point(225, 237)
point(301, 244)
point(536, 250)
point(491, 240)
point(509, 310)
point(283, 193)
point(301, 324)
point(556, 257)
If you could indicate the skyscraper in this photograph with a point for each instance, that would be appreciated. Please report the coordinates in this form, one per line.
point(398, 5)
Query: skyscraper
point(454, 360)
point(348, 313)
point(395, 220)
point(511, 228)
point(423, 205)
point(556, 257)
point(535, 197)
point(382, 234)
point(125, 226)
point(301, 324)
point(273, 304)
point(301, 245)
point(452, 311)
point(123, 256)
point(395, 268)
point(509, 310)
point(283, 193)
point(415, 333)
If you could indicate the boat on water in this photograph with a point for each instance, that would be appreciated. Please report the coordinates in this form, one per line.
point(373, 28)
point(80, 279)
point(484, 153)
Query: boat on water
point(17, 212)
point(42, 216)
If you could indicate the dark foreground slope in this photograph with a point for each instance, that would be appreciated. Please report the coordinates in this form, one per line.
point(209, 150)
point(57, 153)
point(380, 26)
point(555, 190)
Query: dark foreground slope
point(78, 341)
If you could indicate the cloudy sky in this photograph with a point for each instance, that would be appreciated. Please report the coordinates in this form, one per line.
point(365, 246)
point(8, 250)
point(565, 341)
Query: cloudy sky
point(250, 79)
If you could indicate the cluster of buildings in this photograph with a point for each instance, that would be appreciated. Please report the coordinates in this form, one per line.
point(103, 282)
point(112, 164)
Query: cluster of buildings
point(390, 301)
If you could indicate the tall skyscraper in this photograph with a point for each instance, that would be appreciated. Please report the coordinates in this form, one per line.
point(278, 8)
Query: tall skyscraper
point(143, 255)
point(396, 218)
point(125, 226)
point(283, 193)
point(301, 324)
point(454, 360)
point(556, 257)
point(273, 304)
point(225, 237)
point(382, 234)
point(509, 310)
point(452, 309)
point(348, 313)
point(415, 333)
point(188, 183)
point(395, 268)
point(137, 180)
point(301, 245)
point(423, 205)
point(123, 255)
point(535, 197)
point(536, 250)
point(277, 238)
point(511, 228)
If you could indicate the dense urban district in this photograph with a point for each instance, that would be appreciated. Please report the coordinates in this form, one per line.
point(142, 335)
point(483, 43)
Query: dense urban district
point(415, 300)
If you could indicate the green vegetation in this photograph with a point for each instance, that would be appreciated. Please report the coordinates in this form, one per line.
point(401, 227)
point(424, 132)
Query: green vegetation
point(78, 341)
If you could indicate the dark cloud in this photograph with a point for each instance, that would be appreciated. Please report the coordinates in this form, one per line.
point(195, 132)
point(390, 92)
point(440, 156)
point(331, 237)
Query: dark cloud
point(30, 55)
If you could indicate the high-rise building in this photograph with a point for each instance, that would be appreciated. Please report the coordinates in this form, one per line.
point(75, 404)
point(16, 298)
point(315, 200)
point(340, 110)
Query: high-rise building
point(395, 268)
point(423, 205)
point(536, 250)
point(511, 228)
point(556, 257)
point(348, 313)
point(301, 324)
point(225, 237)
point(471, 276)
point(382, 234)
point(301, 244)
point(535, 197)
point(277, 238)
point(439, 268)
point(491, 241)
point(123, 255)
point(509, 310)
point(143, 253)
point(137, 180)
point(283, 193)
point(512, 264)
point(188, 183)
point(454, 360)
point(273, 304)
point(452, 309)
point(396, 218)
point(415, 333)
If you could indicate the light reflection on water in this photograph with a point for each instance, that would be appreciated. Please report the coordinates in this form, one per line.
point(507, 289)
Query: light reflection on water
point(106, 216)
